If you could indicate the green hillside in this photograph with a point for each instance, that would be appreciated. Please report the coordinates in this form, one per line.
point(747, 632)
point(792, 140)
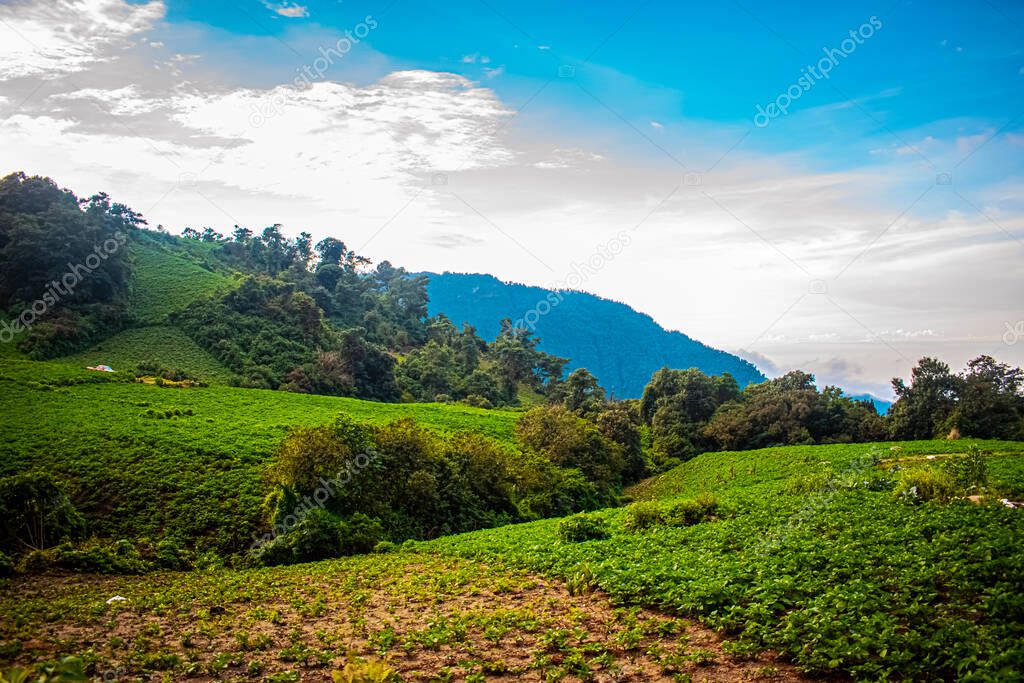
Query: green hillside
point(168, 275)
point(896, 560)
point(163, 344)
point(141, 460)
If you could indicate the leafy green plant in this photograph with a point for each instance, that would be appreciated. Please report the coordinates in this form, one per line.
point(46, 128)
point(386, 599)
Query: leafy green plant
point(583, 527)
point(918, 485)
point(366, 671)
point(969, 472)
point(643, 515)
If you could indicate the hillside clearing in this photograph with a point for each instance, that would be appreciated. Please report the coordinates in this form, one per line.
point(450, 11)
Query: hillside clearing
point(162, 344)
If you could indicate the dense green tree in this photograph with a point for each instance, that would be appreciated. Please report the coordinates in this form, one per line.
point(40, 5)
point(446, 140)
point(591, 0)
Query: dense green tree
point(580, 393)
point(790, 410)
point(572, 442)
point(35, 513)
point(922, 409)
point(429, 371)
point(677, 404)
point(60, 249)
point(620, 423)
point(991, 400)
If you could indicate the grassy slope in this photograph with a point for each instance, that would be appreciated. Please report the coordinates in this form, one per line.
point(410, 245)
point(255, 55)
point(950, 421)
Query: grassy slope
point(768, 469)
point(166, 345)
point(849, 580)
point(166, 278)
point(195, 476)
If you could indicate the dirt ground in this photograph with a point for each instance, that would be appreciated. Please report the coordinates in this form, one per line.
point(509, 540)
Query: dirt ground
point(424, 622)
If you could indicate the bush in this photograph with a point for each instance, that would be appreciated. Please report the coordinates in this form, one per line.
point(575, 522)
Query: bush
point(35, 513)
point(642, 516)
point(814, 483)
point(920, 485)
point(969, 472)
point(647, 515)
point(584, 527)
point(690, 512)
point(317, 536)
point(360, 534)
point(562, 492)
point(385, 547)
point(169, 555)
point(6, 565)
point(477, 401)
point(96, 556)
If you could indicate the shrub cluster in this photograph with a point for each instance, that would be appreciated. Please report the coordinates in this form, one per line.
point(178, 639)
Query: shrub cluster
point(350, 487)
point(583, 527)
point(687, 512)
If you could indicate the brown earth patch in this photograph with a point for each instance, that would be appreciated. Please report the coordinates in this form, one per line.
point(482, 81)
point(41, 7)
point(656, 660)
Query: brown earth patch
point(427, 618)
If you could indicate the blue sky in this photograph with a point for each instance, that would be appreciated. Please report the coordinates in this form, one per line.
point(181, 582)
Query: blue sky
point(879, 219)
point(934, 70)
point(705, 60)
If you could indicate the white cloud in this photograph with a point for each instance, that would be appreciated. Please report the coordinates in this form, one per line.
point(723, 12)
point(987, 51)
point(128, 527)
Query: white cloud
point(904, 335)
point(67, 36)
point(568, 158)
point(121, 101)
point(656, 126)
point(292, 10)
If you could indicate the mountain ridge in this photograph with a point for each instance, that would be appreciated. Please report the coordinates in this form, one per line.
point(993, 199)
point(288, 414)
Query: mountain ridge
point(559, 317)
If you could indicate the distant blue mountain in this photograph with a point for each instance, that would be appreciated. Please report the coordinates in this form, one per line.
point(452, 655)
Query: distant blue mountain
point(881, 405)
point(619, 345)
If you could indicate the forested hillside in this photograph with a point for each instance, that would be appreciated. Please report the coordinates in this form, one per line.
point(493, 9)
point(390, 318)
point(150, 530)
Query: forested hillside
point(619, 345)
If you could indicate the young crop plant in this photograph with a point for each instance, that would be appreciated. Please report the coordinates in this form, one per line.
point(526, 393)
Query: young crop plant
point(583, 527)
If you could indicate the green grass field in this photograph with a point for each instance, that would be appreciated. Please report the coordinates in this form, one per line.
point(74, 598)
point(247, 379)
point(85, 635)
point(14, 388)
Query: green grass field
point(167, 278)
point(163, 344)
point(184, 463)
